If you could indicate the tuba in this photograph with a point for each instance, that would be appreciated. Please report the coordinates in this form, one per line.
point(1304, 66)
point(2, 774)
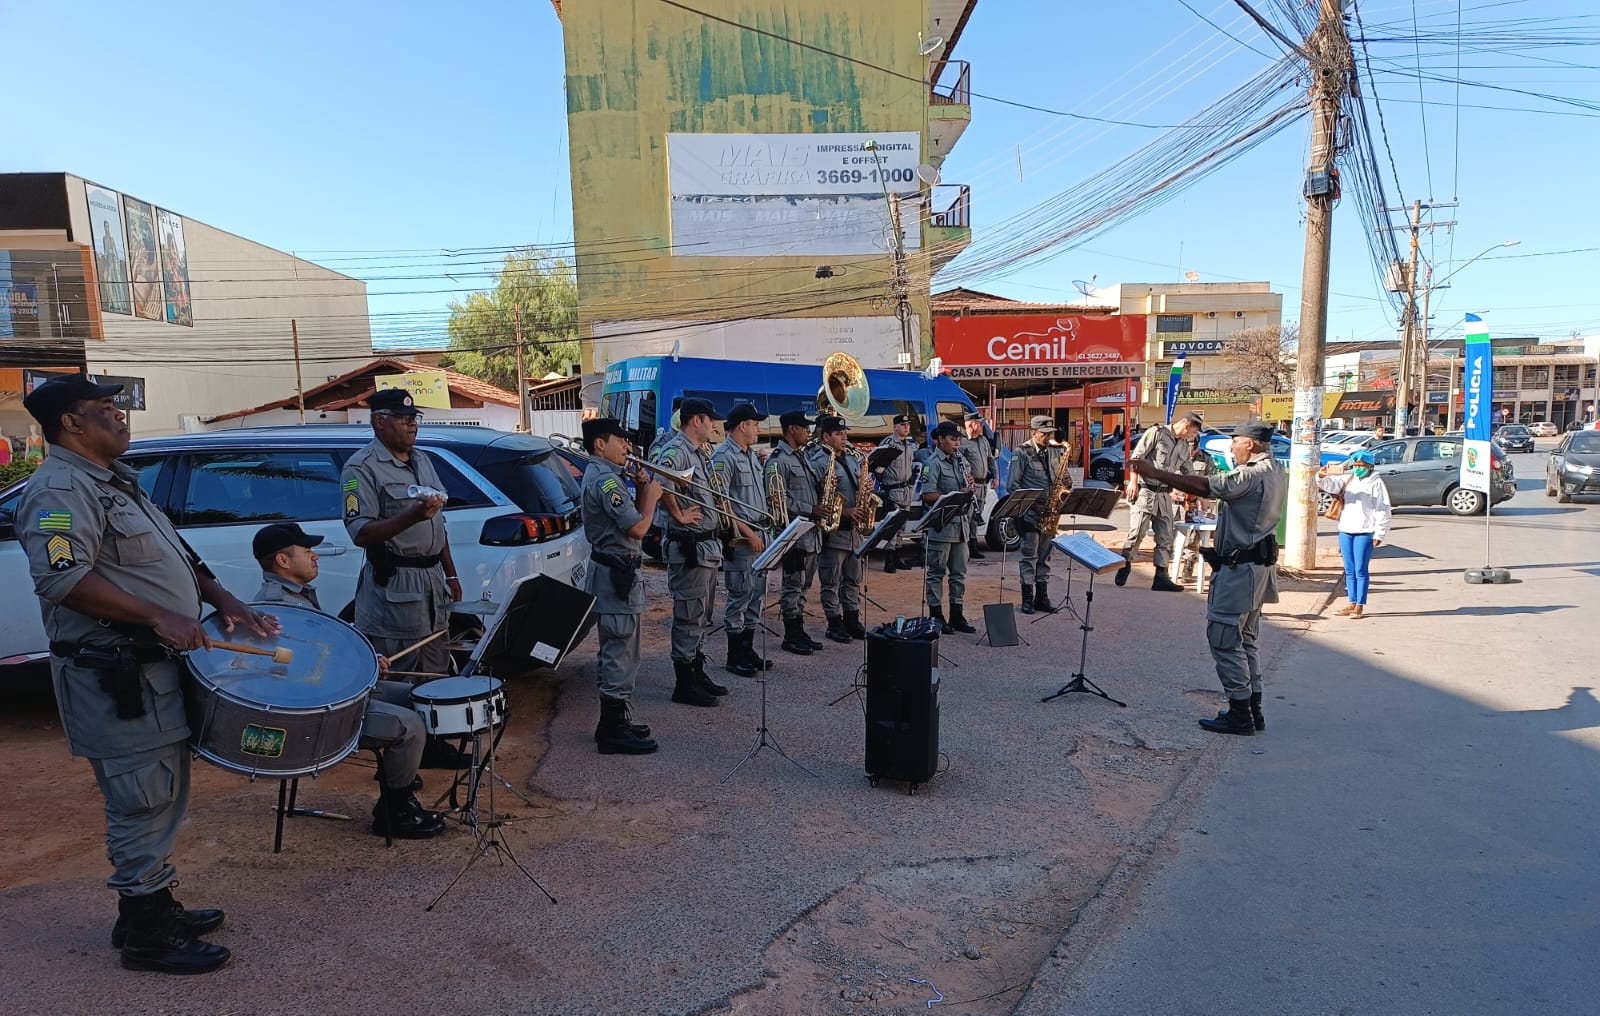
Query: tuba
point(844, 390)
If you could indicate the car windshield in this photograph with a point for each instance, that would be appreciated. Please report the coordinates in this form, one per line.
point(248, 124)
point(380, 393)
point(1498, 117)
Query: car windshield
point(536, 479)
point(1585, 442)
point(1514, 429)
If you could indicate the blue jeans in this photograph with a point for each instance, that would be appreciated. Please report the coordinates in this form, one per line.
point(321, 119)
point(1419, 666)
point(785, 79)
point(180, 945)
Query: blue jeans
point(1356, 549)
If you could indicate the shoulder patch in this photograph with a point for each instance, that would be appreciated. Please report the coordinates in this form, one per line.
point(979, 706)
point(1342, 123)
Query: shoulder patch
point(352, 485)
point(616, 499)
point(720, 466)
point(352, 507)
point(610, 483)
point(55, 521)
point(59, 552)
point(669, 457)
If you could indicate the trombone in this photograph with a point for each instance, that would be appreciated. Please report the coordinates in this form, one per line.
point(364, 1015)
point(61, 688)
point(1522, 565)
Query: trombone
point(683, 485)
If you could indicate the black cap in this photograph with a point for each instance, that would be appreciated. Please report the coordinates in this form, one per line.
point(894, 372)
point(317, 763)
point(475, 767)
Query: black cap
point(1044, 423)
point(974, 415)
point(1259, 432)
point(742, 412)
point(395, 401)
point(688, 409)
point(946, 429)
point(901, 418)
point(795, 418)
point(831, 424)
point(47, 402)
point(280, 536)
point(1195, 418)
point(601, 427)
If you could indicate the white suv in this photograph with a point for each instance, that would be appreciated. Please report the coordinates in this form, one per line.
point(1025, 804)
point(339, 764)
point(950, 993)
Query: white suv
point(512, 512)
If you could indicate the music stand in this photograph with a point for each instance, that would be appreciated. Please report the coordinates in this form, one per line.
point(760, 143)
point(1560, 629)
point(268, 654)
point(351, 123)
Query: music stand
point(1000, 619)
point(767, 560)
point(1089, 498)
point(1097, 560)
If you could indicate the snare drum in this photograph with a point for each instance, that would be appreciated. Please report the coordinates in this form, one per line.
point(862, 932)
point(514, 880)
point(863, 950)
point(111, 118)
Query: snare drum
point(460, 706)
point(281, 720)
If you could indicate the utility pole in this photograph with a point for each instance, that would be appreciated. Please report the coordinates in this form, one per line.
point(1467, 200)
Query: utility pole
point(1332, 65)
point(900, 287)
point(1422, 350)
point(524, 411)
point(1408, 349)
point(299, 381)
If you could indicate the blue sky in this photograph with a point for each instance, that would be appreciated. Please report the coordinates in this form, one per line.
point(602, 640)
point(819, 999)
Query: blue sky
point(374, 138)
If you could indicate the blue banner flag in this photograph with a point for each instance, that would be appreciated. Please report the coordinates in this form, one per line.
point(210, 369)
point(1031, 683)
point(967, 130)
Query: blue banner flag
point(1174, 380)
point(1478, 386)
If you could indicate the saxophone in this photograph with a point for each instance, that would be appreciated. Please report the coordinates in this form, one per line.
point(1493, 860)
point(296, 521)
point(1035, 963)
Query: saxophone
point(1060, 486)
point(869, 502)
point(777, 501)
point(830, 503)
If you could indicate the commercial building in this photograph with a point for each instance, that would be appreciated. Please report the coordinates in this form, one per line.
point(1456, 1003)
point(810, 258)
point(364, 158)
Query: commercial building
point(737, 179)
point(197, 320)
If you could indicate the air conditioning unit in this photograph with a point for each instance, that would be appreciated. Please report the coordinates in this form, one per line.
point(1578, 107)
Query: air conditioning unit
point(1211, 313)
point(1238, 313)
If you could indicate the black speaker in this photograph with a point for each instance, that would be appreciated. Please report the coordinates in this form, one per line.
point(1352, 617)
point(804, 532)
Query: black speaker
point(902, 708)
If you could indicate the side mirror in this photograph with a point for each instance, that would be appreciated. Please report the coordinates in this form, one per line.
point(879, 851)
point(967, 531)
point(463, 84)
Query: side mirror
point(8, 530)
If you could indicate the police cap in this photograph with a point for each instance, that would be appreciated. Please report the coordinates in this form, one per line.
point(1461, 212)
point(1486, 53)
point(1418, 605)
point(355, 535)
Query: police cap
point(600, 427)
point(280, 536)
point(795, 418)
point(394, 401)
point(742, 412)
point(690, 408)
point(1260, 433)
point(47, 402)
point(946, 429)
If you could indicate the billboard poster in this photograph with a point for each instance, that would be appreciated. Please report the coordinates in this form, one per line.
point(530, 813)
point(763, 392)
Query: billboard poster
point(798, 195)
point(1477, 426)
point(1041, 346)
point(144, 259)
point(429, 389)
point(174, 268)
point(110, 249)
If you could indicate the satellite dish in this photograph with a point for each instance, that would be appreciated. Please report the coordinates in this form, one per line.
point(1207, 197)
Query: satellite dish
point(1192, 276)
point(929, 46)
point(1086, 288)
point(928, 174)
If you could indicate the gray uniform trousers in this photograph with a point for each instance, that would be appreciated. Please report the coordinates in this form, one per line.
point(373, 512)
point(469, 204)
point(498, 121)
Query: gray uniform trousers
point(694, 595)
point(1233, 649)
point(946, 559)
point(433, 658)
point(742, 609)
point(1034, 564)
point(146, 794)
point(1151, 510)
point(839, 570)
point(619, 654)
point(394, 726)
point(792, 598)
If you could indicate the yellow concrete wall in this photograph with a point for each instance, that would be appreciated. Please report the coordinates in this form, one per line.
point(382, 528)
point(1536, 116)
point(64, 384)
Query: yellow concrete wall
point(640, 69)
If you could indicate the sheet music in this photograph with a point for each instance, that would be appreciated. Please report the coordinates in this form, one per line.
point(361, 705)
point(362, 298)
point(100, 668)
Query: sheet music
point(1087, 551)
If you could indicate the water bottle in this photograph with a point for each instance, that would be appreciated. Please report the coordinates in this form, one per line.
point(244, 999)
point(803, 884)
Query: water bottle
point(419, 490)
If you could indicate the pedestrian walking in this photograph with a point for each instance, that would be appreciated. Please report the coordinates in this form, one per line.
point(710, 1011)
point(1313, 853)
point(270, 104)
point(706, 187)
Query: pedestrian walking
point(1364, 515)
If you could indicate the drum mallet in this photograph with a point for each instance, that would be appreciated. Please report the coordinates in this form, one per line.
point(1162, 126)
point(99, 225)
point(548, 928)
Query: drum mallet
point(280, 654)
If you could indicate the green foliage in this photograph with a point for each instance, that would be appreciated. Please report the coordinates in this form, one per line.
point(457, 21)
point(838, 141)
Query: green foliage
point(483, 330)
point(15, 470)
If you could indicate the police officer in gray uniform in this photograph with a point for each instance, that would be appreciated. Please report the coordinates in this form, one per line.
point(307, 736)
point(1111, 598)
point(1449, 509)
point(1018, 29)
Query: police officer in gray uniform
point(121, 593)
point(1244, 560)
point(615, 523)
point(838, 568)
point(790, 469)
point(897, 481)
point(288, 567)
point(978, 449)
point(693, 546)
point(738, 468)
point(1151, 507)
point(946, 470)
point(1036, 465)
point(409, 579)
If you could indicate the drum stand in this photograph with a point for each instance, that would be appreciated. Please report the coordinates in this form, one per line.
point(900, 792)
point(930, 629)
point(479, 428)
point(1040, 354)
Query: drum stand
point(488, 835)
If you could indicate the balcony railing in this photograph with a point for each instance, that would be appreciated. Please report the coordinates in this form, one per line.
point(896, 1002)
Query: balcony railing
point(959, 91)
point(957, 214)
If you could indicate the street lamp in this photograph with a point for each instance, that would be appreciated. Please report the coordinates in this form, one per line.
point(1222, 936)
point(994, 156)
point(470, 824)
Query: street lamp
point(1422, 368)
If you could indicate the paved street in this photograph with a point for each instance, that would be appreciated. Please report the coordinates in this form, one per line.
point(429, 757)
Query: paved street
point(1416, 830)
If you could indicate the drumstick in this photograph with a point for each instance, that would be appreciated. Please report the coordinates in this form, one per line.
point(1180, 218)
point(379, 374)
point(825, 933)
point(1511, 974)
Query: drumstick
point(279, 654)
point(416, 645)
point(416, 673)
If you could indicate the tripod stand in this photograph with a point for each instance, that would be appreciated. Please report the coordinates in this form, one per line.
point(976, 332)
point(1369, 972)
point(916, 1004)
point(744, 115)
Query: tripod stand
point(1080, 681)
point(764, 739)
point(487, 836)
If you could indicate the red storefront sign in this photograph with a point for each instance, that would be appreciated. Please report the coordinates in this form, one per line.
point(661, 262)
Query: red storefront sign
point(1041, 346)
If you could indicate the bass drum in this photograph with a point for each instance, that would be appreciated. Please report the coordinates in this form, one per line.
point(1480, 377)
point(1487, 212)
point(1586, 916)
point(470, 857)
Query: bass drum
point(280, 720)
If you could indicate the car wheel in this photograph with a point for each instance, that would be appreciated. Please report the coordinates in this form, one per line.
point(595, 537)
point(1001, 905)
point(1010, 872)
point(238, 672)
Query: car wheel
point(1001, 534)
point(1562, 497)
point(1105, 472)
point(1462, 501)
point(1549, 491)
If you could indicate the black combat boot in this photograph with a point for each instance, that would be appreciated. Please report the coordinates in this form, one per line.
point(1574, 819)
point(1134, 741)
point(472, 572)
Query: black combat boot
point(1259, 721)
point(975, 550)
point(1236, 720)
point(853, 625)
point(195, 922)
point(958, 620)
point(1121, 578)
point(747, 645)
point(813, 643)
point(891, 561)
point(1041, 599)
point(738, 663)
point(400, 815)
point(1027, 598)
point(937, 613)
point(836, 631)
point(617, 734)
point(156, 938)
point(689, 691)
point(705, 679)
point(1164, 583)
point(794, 637)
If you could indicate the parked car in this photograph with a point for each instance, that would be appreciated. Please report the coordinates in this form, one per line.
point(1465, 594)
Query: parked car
point(1544, 428)
point(1426, 471)
point(512, 510)
point(1573, 466)
point(1514, 437)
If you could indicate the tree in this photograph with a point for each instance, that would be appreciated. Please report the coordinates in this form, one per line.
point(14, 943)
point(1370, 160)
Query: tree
point(1262, 360)
point(483, 327)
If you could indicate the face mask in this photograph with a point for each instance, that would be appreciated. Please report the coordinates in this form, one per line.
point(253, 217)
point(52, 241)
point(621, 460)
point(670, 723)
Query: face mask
point(1361, 470)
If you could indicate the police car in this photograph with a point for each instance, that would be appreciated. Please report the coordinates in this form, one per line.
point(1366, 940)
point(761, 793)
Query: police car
point(512, 512)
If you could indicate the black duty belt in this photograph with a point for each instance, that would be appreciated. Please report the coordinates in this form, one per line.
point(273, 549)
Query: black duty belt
point(384, 564)
point(119, 668)
point(139, 653)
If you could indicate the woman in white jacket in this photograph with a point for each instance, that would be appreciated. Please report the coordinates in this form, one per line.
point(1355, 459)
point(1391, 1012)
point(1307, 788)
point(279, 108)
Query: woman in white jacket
point(1363, 522)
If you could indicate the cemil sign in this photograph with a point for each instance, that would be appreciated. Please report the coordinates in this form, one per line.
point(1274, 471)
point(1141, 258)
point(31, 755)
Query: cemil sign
point(1041, 346)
